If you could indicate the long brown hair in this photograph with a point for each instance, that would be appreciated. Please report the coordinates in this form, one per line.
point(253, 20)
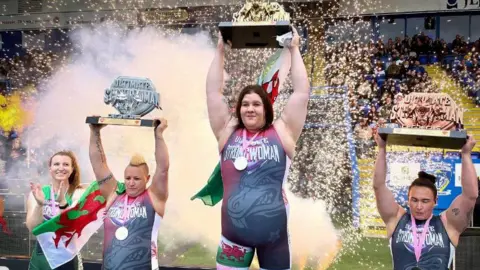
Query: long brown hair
point(267, 106)
point(74, 179)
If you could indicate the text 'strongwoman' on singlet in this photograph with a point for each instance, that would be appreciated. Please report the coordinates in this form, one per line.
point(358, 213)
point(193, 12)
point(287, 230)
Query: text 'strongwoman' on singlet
point(139, 249)
point(254, 208)
point(437, 251)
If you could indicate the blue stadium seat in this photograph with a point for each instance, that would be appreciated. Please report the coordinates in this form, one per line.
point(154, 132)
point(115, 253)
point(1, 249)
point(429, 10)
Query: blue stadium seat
point(452, 155)
point(423, 59)
point(475, 155)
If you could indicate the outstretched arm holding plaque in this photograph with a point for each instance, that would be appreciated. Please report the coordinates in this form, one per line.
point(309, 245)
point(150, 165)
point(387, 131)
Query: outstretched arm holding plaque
point(133, 98)
point(459, 215)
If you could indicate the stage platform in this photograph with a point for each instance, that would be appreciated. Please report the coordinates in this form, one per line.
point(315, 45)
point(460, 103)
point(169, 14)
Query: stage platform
point(22, 264)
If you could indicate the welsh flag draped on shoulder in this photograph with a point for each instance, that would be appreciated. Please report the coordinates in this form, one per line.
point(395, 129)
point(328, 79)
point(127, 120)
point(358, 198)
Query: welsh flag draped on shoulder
point(272, 77)
point(63, 236)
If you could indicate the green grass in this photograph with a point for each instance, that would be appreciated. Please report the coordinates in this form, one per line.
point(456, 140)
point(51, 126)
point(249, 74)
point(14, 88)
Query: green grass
point(368, 253)
point(197, 256)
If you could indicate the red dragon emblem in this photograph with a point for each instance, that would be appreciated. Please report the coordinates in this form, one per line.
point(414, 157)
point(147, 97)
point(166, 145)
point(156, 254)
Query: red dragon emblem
point(87, 213)
point(233, 252)
point(73, 220)
point(274, 85)
point(3, 224)
point(154, 249)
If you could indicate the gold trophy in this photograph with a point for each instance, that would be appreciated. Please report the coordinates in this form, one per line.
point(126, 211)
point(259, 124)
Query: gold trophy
point(258, 24)
point(426, 120)
point(133, 97)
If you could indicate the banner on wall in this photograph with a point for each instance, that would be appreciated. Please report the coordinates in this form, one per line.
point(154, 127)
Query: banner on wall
point(462, 4)
point(63, 20)
point(443, 172)
point(72, 19)
point(403, 168)
point(401, 174)
point(458, 172)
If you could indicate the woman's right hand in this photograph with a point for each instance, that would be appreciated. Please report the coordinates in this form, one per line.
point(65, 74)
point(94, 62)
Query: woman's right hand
point(380, 142)
point(221, 43)
point(37, 193)
point(96, 127)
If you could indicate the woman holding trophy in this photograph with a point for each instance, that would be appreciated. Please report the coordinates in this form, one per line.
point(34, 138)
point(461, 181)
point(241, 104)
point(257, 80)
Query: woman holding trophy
point(134, 212)
point(256, 153)
point(420, 240)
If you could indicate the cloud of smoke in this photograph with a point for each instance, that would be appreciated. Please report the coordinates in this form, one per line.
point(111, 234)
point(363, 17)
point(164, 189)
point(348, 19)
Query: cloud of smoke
point(177, 65)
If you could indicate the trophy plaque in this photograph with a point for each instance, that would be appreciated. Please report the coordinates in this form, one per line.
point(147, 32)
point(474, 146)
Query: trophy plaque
point(133, 98)
point(258, 24)
point(426, 120)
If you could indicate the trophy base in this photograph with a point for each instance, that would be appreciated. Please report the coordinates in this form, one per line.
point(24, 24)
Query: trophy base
point(445, 139)
point(120, 121)
point(244, 35)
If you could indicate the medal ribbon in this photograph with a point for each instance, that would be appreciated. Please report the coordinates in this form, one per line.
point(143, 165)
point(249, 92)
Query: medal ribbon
point(418, 243)
point(245, 144)
point(126, 210)
point(52, 201)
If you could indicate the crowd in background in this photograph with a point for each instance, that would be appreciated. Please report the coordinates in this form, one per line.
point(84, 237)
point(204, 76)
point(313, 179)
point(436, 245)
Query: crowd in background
point(378, 75)
point(16, 74)
point(465, 69)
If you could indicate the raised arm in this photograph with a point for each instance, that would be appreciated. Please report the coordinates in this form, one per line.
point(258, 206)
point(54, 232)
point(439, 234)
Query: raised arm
point(459, 213)
point(387, 207)
point(104, 176)
point(159, 186)
point(218, 112)
point(34, 212)
point(295, 111)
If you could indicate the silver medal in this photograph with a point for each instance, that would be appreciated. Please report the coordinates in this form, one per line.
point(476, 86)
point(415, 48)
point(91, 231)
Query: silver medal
point(121, 233)
point(240, 163)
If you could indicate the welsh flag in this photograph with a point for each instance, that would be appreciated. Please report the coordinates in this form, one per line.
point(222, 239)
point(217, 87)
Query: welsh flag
point(63, 236)
point(3, 226)
point(271, 78)
point(274, 73)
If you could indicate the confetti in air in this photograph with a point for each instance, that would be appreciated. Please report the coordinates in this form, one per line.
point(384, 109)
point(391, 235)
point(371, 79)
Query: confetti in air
point(174, 46)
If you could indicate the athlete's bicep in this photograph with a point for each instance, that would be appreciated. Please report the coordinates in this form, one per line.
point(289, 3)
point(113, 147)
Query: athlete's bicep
point(218, 112)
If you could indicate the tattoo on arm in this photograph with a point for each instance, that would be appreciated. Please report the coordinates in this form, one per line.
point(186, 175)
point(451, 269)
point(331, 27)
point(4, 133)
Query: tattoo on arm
point(102, 181)
point(98, 143)
point(468, 216)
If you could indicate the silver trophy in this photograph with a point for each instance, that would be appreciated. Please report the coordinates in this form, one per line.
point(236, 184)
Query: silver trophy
point(133, 98)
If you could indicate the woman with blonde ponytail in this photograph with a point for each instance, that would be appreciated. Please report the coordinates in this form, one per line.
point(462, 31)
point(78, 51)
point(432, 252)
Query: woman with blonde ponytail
point(134, 211)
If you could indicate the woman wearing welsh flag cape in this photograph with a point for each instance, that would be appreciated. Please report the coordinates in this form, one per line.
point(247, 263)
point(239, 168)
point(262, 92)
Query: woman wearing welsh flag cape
point(45, 202)
point(256, 153)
